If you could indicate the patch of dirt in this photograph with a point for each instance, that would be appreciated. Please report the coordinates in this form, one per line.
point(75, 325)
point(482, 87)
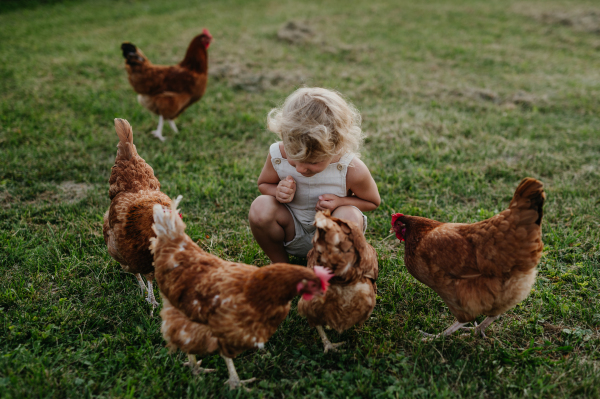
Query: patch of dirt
point(518, 99)
point(68, 192)
point(584, 20)
point(74, 192)
point(476, 94)
point(244, 77)
point(295, 32)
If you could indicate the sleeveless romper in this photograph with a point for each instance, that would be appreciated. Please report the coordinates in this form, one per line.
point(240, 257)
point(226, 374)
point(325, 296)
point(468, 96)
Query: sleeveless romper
point(332, 180)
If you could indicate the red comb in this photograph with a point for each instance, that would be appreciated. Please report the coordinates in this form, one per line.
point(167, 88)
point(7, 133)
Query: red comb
point(395, 217)
point(324, 274)
point(206, 32)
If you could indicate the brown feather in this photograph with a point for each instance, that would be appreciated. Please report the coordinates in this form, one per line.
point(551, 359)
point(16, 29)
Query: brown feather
point(133, 192)
point(169, 90)
point(480, 268)
point(228, 306)
point(351, 297)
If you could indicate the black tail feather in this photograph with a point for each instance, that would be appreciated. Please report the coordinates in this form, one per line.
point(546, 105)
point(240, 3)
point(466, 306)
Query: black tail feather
point(128, 48)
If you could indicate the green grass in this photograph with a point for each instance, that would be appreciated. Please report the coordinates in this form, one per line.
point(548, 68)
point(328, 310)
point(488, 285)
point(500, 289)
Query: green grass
point(460, 101)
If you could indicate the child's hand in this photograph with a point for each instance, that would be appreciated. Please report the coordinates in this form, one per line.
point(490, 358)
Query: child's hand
point(328, 201)
point(286, 190)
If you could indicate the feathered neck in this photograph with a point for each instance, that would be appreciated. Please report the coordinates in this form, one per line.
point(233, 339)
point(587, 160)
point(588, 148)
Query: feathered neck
point(276, 284)
point(196, 57)
point(416, 228)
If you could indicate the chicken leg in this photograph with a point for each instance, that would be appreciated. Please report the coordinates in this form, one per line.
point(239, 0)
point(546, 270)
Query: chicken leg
point(449, 331)
point(195, 365)
point(326, 343)
point(141, 282)
point(173, 125)
point(234, 380)
point(158, 132)
point(150, 298)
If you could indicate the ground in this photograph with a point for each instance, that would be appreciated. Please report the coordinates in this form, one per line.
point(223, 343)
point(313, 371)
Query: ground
point(460, 101)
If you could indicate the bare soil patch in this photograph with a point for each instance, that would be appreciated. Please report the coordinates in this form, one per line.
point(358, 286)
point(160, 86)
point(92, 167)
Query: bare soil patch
point(295, 32)
point(246, 77)
point(583, 20)
point(513, 100)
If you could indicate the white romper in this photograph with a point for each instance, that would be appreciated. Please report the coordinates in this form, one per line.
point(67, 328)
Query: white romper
point(332, 180)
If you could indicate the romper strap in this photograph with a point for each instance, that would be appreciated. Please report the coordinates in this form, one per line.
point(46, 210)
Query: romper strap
point(275, 151)
point(345, 159)
point(276, 157)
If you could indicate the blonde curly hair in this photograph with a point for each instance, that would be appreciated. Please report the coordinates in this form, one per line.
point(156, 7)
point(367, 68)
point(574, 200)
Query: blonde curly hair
point(315, 124)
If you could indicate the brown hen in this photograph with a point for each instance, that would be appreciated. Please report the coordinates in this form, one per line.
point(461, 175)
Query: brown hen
point(128, 222)
point(168, 90)
point(214, 305)
point(340, 246)
point(484, 268)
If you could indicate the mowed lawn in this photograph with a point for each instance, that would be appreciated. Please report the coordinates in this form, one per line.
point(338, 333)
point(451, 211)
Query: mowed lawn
point(460, 100)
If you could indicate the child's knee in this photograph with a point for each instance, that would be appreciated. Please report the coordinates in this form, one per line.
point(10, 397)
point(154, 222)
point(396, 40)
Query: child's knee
point(349, 213)
point(262, 210)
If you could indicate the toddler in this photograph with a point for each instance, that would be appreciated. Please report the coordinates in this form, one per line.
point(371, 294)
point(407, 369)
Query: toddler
point(314, 167)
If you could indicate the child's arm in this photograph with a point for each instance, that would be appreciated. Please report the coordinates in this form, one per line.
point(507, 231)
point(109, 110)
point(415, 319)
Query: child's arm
point(269, 184)
point(361, 183)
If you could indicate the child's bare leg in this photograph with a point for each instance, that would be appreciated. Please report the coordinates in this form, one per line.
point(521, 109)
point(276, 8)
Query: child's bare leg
point(349, 213)
point(272, 225)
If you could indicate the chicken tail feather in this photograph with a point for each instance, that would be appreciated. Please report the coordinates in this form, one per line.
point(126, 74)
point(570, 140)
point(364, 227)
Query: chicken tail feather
point(530, 195)
point(126, 148)
point(132, 54)
point(167, 222)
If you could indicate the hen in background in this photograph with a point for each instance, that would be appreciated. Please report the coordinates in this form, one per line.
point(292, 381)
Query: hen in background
point(169, 90)
point(210, 304)
point(340, 246)
point(481, 268)
point(128, 222)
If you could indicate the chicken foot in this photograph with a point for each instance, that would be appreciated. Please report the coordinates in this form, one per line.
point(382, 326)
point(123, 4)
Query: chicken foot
point(234, 380)
point(150, 298)
point(158, 132)
point(195, 365)
point(141, 283)
point(449, 331)
point(479, 329)
point(326, 342)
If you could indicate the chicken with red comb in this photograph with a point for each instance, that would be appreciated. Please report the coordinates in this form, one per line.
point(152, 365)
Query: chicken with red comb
point(341, 246)
point(212, 305)
point(484, 268)
point(127, 227)
point(169, 90)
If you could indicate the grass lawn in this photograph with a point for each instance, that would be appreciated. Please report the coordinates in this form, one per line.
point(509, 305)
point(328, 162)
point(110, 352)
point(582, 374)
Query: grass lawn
point(460, 101)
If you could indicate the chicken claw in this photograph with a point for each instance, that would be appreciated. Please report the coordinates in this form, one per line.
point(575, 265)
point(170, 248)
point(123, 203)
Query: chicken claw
point(484, 324)
point(150, 298)
point(158, 135)
point(158, 132)
point(326, 342)
point(449, 331)
point(234, 380)
point(195, 366)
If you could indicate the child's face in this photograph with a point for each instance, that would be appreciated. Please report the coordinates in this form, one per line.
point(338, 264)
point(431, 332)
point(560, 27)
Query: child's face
point(309, 169)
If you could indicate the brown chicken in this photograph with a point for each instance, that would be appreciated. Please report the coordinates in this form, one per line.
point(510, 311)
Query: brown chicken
point(169, 90)
point(210, 304)
point(484, 268)
point(128, 222)
point(340, 246)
